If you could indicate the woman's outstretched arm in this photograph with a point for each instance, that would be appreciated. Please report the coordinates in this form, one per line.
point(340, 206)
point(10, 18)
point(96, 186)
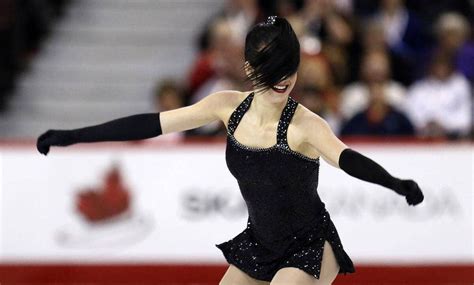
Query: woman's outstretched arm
point(139, 126)
point(336, 153)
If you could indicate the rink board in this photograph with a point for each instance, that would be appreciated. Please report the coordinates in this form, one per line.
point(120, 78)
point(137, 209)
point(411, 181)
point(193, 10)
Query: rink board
point(184, 201)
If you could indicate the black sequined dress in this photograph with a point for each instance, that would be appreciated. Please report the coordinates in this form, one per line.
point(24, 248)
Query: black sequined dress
point(288, 222)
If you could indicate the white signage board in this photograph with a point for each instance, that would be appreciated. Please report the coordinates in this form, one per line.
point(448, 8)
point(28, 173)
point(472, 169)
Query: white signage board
point(173, 204)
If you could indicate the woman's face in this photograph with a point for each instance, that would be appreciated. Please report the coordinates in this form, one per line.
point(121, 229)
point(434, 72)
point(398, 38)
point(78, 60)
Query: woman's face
point(284, 87)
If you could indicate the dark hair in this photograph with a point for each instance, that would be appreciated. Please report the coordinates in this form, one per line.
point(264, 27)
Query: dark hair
point(272, 51)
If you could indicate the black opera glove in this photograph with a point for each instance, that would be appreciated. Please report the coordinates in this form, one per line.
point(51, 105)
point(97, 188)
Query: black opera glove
point(410, 190)
point(362, 167)
point(54, 138)
point(135, 127)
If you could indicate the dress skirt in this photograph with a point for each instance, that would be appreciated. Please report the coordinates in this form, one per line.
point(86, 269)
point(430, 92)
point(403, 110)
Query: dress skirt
point(261, 257)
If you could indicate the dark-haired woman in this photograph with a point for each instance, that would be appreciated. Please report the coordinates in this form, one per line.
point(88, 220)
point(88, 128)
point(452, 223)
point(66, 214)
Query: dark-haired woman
point(273, 150)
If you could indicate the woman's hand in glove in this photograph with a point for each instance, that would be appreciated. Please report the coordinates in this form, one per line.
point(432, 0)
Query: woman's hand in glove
point(54, 138)
point(410, 190)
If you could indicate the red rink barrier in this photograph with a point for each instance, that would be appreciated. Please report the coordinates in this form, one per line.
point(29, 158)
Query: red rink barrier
point(459, 274)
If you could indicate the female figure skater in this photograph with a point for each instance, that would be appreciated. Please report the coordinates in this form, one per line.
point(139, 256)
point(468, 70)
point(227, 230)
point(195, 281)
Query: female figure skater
point(273, 150)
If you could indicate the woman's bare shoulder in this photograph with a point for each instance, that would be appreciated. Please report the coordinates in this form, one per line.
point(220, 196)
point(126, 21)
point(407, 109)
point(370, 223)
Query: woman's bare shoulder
point(305, 118)
point(230, 97)
point(316, 132)
point(227, 101)
point(310, 125)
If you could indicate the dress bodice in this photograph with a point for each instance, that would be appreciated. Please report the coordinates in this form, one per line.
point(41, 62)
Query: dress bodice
point(278, 184)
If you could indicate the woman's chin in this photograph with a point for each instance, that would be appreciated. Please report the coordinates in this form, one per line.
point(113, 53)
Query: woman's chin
point(278, 97)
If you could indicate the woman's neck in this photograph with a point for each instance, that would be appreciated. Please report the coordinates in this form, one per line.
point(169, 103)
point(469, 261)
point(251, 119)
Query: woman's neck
point(268, 107)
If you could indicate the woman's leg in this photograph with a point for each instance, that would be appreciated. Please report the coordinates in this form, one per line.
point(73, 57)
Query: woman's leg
point(296, 276)
point(235, 276)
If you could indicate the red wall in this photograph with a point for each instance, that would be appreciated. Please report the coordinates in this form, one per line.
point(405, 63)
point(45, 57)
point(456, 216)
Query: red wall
point(211, 274)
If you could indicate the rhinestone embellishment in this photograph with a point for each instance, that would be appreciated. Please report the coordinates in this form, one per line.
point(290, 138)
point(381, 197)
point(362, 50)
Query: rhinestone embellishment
point(271, 20)
point(284, 122)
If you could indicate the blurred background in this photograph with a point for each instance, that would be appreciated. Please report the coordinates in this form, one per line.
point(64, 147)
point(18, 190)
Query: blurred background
point(393, 78)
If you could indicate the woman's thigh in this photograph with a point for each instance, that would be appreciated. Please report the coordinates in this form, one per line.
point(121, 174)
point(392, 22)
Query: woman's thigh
point(296, 276)
point(235, 276)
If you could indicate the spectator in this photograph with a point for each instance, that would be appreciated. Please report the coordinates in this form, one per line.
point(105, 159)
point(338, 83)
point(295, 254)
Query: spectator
point(430, 10)
point(373, 36)
point(373, 40)
point(241, 16)
point(452, 32)
point(288, 8)
point(403, 30)
point(312, 98)
point(320, 103)
point(227, 63)
point(465, 58)
point(405, 36)
point(440, 104)
point(200, 72)
point(332, 33)
point(375, 69)
point(340, 47)
point(315, 86)
point(168, 96)
point(220, 66)
point(379, 119)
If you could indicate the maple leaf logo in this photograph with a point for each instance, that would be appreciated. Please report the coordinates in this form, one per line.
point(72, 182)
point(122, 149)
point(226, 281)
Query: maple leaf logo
point(104, 202)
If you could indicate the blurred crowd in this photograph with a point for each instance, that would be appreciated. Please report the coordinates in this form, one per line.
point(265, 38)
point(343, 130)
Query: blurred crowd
point(23, 26)
point(370, 68)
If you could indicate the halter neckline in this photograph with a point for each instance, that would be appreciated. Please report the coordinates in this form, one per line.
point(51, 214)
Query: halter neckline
point(282, 128)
